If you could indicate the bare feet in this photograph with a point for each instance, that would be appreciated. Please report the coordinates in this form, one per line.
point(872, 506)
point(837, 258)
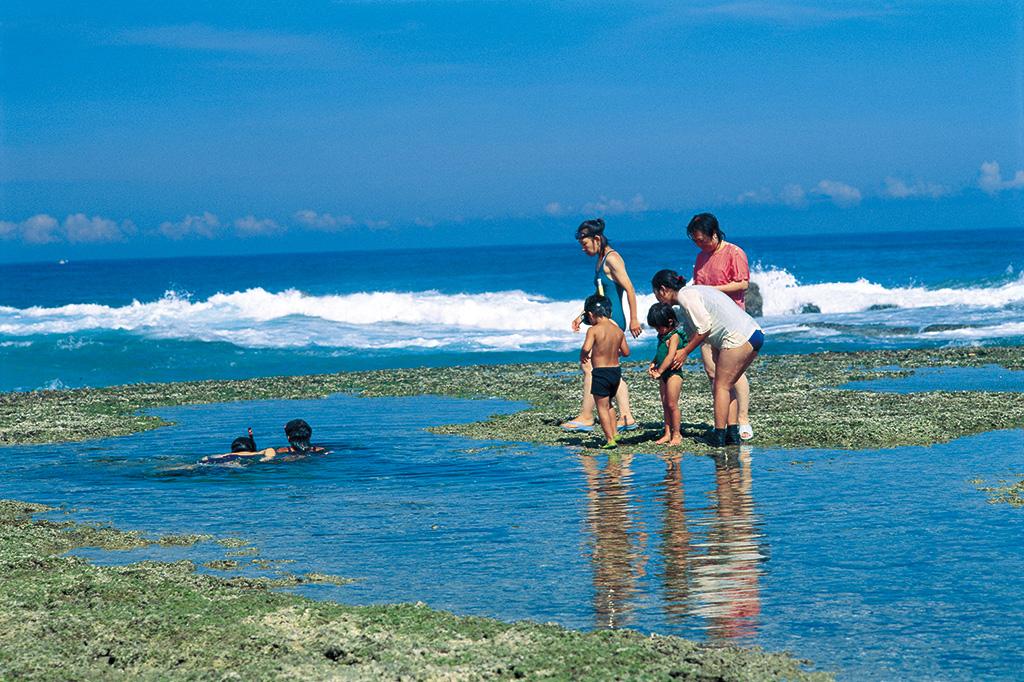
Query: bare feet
point(664, 439)
point(676, 440)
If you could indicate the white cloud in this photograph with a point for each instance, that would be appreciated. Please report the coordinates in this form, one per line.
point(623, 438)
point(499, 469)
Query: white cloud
point(40, 229)
point(206, 225)
point(377, 224)
point(991, 179)
point(793, 195)
point(76, 228)
point(606, 206)
point(896, 188)
point(250, 226)
point(324, 221)
point(554, 208)
point(840, 193)
point(790, 195)
point(80, 228)
point(756, 196)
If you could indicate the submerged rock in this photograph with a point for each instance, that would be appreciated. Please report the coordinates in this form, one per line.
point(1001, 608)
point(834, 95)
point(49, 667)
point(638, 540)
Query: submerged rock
point(810, 308)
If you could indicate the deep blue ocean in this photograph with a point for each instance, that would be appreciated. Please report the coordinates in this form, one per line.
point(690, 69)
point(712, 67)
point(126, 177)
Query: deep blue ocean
point(95, 323)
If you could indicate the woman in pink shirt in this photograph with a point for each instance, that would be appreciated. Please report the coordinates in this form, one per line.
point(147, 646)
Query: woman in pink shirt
point(722, 265)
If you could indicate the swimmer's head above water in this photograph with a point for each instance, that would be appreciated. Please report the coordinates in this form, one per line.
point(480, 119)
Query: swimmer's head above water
point(298, 433)
point(244, 443)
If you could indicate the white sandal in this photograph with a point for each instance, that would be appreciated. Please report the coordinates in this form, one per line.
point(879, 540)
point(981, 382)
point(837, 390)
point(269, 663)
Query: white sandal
point(746, 431)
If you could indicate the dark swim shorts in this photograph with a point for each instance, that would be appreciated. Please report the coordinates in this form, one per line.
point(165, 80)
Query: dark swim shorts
point(605, 381)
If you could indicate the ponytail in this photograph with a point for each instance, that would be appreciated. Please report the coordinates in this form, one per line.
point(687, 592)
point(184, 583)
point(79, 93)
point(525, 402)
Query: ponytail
point(593, 228)
point(668, 279)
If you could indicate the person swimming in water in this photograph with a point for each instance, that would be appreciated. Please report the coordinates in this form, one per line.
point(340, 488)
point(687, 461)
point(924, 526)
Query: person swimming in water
point(297, 431)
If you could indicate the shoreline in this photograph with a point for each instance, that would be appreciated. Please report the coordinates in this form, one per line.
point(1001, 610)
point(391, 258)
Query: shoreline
point(795, 403)
point(67, 618)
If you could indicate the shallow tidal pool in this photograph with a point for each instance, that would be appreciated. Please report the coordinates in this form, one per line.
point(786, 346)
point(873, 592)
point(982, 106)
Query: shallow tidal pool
point(878, 564)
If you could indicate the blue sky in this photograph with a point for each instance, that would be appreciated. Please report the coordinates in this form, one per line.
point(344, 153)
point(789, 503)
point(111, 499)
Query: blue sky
point(138, 128)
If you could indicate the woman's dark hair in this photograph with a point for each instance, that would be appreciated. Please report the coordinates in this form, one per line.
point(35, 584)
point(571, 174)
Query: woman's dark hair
point(243, 444)
point(298, 433)
point(669, 279)
point(706, 224)
point(661, 315)
point(593, 228)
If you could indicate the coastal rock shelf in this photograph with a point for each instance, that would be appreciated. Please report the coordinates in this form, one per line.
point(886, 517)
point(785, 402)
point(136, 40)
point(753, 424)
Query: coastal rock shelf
point(795, 403)
point(66, 618)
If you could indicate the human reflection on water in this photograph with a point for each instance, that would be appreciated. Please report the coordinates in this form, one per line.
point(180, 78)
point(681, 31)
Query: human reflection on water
point(618, 539)
point(727, 575)
point(710, 557)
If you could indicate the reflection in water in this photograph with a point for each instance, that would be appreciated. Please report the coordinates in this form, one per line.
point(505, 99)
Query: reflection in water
point(711, 558)
point(675, 543)
point(616, 528)
point(727, 575)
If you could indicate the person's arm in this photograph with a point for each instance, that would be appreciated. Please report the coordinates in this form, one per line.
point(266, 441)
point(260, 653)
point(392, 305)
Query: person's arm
point(624, 347)
point(617, 271)
point(731, 287)
point(588, 346)
point(577, 321)
point(739, 271)
point(682, 354)
point(670, 357)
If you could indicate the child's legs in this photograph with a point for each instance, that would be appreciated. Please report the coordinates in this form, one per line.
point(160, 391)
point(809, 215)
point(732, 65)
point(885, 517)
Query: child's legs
point(671, 388)
point(606, 415)
point(622, 398)
point(663, 393)
point(730, 363)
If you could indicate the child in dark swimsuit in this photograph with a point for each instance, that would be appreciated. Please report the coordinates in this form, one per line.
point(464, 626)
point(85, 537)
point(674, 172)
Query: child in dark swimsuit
point(604, 344)
point(670, 381)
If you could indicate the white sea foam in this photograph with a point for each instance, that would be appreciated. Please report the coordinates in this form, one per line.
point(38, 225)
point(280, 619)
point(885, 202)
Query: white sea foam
point(499, 321)
point(784, 295)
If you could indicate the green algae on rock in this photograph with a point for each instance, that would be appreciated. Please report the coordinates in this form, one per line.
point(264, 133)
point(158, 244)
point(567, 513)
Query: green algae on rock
point(1004, 492)
point(795, 401)
point(62, 617)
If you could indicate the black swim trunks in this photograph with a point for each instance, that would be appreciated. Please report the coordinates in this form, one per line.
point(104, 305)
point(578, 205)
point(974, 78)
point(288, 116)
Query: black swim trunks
point(605, 381)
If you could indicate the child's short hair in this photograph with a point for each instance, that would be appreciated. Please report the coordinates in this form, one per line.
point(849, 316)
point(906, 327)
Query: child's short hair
point(598, 306)
point(662, 315)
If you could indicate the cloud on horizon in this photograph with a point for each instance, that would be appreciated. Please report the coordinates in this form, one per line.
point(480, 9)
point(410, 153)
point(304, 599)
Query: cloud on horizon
point(206, 225)
point(251, 226)
point(895, 188)
point(603, 206)
point(991, 180)
point(75, 229)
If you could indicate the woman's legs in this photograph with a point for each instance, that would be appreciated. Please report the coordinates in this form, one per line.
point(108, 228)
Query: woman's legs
point(586, 415)
point(730, 364)
point(741, 395)
point(622, 399)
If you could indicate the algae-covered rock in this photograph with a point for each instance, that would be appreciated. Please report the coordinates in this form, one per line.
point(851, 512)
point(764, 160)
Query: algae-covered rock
point(62, 618)
point(793, 401)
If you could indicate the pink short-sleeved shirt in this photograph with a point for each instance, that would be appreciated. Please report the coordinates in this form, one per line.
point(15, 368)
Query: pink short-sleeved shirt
point(727, 264)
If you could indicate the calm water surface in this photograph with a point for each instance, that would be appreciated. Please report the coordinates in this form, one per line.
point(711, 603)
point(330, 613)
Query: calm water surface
point(883, 564)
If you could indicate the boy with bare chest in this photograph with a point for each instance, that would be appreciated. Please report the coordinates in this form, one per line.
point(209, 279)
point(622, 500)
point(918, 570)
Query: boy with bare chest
point(602, 347)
